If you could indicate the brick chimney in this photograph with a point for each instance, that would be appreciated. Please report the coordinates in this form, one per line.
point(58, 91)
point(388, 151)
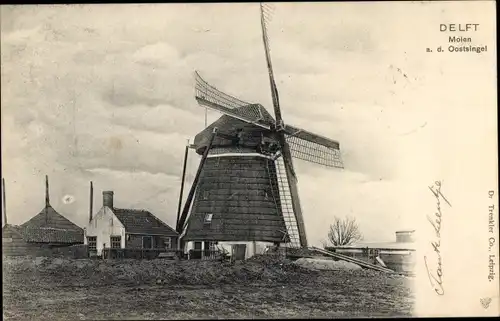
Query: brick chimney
point(107, 199)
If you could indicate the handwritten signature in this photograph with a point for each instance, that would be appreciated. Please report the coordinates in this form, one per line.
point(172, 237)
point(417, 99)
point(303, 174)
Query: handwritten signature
point(437, 279)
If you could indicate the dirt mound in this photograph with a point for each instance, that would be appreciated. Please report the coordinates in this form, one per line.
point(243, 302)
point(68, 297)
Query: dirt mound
point(93, 272)
point(265, 270)
point(304, 252)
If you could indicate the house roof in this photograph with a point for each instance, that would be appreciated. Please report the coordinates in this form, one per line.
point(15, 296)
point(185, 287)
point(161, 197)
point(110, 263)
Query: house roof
point(51, 235)
point(142, 222)
point(50, 218)
point(46, 234)
point(48, 226)
point(405, 231)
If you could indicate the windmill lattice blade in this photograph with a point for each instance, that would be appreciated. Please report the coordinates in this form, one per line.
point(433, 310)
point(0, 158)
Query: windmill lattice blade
point(313, 148)
point(206, 91)
point(274, 90)
point(314, 152)
point(211, 97)
point(267, 12)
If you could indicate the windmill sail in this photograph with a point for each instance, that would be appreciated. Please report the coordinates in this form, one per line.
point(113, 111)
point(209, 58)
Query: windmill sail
point(264, 13)
point(303, 144)
point(211, 97)
point(292, 186)
point(285, 202)
point(314, 148)
point(285, 148)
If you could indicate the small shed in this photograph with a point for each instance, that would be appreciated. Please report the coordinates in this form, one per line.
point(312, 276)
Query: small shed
point(42, 233)
point(22, 241)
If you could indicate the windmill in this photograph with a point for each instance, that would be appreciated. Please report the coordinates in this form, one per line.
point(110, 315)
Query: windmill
point(245, 188)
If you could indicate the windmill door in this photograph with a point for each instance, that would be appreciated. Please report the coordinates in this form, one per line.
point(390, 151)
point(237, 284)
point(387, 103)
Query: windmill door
point(239, 251)
point(206, 252)
point(196, 253)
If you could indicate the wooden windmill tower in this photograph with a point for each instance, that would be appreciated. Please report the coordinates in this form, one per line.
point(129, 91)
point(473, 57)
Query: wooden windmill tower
point(245, 188)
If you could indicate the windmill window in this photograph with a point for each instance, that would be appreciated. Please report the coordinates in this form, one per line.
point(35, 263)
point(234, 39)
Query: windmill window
point(208, 218)
point(205, 195)
point(116, 242)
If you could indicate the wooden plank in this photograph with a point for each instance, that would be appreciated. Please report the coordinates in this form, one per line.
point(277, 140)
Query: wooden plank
point(182, 219)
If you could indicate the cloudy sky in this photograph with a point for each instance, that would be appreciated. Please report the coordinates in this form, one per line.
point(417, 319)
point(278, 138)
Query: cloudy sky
point(105, 93)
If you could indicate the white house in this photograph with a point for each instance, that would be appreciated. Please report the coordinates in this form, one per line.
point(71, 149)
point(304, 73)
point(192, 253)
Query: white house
point(121, 228)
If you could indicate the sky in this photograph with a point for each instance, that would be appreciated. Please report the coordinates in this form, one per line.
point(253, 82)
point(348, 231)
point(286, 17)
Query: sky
point(105, 93)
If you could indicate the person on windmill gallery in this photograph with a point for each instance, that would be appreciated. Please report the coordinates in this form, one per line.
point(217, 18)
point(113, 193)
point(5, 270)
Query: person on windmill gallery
point(244, 197)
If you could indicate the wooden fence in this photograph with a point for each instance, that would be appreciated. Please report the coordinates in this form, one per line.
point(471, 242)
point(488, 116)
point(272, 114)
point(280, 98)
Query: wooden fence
point(109, 253)
point(197, 254)
point(78, 251)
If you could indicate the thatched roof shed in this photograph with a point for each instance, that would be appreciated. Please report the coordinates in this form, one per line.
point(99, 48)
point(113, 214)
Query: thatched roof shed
point(49, 226)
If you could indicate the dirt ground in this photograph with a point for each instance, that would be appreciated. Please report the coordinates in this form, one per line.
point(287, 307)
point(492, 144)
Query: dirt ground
point(63, 289)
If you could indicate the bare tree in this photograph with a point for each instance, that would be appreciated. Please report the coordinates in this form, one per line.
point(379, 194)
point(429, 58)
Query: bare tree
point(344, 231)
